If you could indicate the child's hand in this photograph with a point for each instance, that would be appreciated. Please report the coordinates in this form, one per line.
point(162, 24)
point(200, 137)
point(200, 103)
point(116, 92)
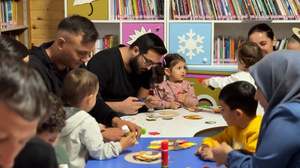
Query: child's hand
point(128, 141)
point(181, 98)
point(205, 152)
point(151, 102)
point(102, 127)
point(174, 105)
point(205, 82)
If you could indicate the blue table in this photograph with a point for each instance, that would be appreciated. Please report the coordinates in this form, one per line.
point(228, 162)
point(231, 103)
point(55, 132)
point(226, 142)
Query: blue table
point(177, 159)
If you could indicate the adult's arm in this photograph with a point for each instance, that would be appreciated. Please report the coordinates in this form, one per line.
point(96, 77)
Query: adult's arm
point(103, 113)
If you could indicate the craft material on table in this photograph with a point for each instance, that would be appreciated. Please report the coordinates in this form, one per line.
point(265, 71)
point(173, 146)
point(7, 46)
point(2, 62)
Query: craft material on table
point(193, 117)
point(173, 144)
point(162, 114)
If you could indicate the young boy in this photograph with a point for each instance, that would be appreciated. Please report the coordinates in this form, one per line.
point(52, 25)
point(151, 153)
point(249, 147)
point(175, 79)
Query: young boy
point(239, 111)
point(81, 136)
point(49, 130)
point(42, 146)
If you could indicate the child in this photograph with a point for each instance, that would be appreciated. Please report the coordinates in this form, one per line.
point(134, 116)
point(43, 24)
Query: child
point(81, 136)
point(238, 108)
point(294, 41)
point(175, 92)
point(42, 146)
point(49, 130)
point(247, 54)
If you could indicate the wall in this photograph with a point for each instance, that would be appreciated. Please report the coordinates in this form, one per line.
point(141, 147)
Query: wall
point(45, 16)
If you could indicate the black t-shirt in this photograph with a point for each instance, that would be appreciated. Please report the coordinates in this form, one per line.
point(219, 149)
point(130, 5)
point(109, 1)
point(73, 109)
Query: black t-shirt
point(115, 83)
point(36, 154)
point(53, 79)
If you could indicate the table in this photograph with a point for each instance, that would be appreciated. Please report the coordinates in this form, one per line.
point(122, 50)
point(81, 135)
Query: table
point(177, 159)
point(178, 126)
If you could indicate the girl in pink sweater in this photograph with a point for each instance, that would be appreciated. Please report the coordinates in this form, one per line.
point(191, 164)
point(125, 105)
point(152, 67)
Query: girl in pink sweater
point(175, 92)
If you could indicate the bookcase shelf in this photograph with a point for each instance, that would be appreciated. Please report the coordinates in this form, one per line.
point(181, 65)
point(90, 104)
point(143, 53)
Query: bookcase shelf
point(194, 39)
point(15, 23)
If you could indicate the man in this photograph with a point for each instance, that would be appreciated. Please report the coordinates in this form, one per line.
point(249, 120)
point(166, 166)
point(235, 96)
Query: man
point(75, 40)
point(23, 102)
point(294, 41)
point(124, 73)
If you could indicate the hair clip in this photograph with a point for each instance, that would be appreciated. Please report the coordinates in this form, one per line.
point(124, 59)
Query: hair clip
point(164, 62)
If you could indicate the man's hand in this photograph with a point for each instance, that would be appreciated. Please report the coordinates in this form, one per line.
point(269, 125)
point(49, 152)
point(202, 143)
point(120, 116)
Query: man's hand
point(151, 102)
point(112, 134)
point(131, 105)
point(134, 129)
point(220, 153)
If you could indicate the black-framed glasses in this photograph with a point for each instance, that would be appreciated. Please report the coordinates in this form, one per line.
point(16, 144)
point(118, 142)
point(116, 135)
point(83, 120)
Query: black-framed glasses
point(150, 62)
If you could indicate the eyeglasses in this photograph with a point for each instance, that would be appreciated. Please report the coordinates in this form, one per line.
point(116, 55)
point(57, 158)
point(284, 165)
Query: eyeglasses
point(150, 62)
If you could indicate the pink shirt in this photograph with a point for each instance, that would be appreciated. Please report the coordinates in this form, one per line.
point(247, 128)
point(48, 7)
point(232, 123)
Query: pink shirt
point(167, 92)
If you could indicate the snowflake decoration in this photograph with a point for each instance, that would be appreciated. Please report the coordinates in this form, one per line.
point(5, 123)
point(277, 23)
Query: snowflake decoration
point(190, 44)
point(137, 34)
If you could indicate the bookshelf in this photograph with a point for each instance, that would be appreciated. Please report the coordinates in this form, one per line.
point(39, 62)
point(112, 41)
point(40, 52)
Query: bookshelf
point(15, 23)
point(190, 27)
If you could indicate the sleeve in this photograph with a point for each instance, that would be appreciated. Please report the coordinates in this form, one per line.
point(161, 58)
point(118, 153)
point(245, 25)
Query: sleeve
point(159, 94)
point(278, 144)
point(220, 82)
point(191, 97)
point(92, 138)
point(102, 112)
point(224, 136)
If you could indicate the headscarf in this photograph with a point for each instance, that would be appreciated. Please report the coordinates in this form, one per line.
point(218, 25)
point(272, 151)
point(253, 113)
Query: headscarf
point(277, 75)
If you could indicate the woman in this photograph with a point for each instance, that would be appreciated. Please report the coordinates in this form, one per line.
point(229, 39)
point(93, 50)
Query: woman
point(277, 78)
point(263, 36)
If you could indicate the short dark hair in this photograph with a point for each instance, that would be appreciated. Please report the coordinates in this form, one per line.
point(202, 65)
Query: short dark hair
point(76, 24)
point(262, 27)
point(240, 95)
point(12, 47)
point(77, 84)
point(22, 88)
point(56, 119)
point(149, 41)
point(250, 53)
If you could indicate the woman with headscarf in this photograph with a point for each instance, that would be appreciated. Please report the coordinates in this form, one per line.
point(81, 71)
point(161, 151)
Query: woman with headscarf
point(277, 77)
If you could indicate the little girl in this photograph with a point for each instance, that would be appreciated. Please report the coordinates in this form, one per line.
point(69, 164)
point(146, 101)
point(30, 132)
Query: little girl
point(175, 92)
point(247, 55)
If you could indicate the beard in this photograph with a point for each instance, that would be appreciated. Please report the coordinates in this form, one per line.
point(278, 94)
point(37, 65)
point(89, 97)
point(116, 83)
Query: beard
point(135, 66)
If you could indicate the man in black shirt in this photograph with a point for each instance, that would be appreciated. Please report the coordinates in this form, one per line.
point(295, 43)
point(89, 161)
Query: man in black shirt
point(124, 73)
point(75, 40)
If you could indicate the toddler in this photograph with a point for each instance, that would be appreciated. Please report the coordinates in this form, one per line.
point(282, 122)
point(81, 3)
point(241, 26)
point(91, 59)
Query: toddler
point(238, 108)
point(175, 92)
point(81, 137)
point(247, 55)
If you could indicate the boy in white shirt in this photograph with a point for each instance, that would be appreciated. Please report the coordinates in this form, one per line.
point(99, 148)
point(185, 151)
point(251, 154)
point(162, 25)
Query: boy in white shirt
point(82, 136)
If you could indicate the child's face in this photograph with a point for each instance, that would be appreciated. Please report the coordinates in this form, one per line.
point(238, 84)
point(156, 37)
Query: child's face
point(49, 137)
point(227, 114)
point(178, 72)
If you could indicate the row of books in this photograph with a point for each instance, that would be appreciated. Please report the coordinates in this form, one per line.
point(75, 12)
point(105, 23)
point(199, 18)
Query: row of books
point(235, 9)
point(108, 41)
point(9, 11)
point(224, 48)
point(138, 9)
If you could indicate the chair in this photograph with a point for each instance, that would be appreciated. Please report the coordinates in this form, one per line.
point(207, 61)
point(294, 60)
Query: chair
point(209, 132)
